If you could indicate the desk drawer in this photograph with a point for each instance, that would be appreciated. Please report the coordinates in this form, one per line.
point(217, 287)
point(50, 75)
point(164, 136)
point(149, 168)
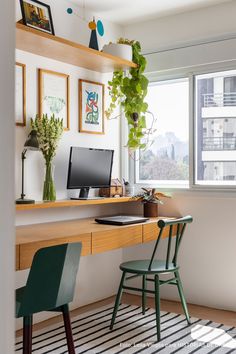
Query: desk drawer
point(28, 250)
point(151, 231)
point(119, 237)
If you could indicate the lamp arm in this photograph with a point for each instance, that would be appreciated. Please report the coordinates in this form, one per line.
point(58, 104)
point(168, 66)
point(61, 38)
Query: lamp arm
point(23, 157)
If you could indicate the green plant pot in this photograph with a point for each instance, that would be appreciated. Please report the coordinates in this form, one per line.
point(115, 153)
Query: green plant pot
point(150, 210)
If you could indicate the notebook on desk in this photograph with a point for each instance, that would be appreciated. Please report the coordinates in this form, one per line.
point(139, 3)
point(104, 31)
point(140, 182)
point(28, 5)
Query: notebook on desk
point(121, 220)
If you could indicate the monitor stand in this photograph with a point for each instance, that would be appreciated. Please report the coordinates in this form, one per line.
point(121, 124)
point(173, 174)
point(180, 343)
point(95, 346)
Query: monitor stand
point(83, 195)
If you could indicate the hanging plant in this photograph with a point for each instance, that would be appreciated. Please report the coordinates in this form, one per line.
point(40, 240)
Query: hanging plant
point(130, 92)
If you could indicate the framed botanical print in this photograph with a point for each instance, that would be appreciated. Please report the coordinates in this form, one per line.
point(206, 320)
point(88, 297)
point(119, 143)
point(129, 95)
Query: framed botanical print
point(37, 14)
point(91, 107)
point(20, 94)
point(54, 92)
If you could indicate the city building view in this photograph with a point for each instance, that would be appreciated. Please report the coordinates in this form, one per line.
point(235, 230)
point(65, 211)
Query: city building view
point(216, 128)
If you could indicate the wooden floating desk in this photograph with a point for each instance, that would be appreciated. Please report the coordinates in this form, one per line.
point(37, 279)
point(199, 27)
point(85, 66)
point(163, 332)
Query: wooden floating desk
point(96, 238)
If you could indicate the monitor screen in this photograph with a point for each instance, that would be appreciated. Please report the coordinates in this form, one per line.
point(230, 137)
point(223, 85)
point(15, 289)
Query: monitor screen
point(89, 168)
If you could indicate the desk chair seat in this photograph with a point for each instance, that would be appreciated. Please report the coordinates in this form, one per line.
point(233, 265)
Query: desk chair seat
point(151, 270)
point(50, 287)
point(142, 267)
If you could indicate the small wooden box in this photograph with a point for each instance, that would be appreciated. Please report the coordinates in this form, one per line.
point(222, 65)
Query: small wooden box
point(115, 188)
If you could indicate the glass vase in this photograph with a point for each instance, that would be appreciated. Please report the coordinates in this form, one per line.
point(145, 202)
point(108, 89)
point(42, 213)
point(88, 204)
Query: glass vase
point(49, 191)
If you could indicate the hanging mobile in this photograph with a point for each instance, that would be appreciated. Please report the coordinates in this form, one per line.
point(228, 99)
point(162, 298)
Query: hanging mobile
point(93, 26)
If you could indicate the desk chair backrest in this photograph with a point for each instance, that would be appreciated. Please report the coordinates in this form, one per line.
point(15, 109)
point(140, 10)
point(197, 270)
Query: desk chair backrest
point(52, 278)
point(176, 228)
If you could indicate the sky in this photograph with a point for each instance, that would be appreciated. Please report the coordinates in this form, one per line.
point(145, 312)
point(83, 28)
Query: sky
point(169, 102)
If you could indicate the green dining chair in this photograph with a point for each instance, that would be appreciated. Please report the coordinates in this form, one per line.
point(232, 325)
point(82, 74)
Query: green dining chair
point(156, 268)
point(50, 287)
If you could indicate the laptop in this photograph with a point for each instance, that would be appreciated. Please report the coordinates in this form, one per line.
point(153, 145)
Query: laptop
point(121, 220)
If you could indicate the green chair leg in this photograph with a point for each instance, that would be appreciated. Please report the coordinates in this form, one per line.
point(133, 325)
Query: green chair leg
point(182, 298)
point(117, 302)
point(68, 329)
point(27, 334)
point(144, 295)
point(158, 307)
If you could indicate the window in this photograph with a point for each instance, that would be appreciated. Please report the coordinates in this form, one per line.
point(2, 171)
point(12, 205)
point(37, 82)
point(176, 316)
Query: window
point(215, 129)
point(166, 162)
point(211, 163)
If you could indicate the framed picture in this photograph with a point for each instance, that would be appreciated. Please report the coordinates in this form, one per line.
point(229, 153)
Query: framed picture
point(37, 15)
point(54, 93)
point(91, 107)
point(20, 94)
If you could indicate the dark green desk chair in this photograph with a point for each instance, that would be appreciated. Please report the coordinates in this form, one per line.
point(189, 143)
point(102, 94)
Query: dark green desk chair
point(50, 287)
point(156, 268)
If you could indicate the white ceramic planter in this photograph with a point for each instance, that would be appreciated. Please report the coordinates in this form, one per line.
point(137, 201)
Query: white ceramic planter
point(119, 50)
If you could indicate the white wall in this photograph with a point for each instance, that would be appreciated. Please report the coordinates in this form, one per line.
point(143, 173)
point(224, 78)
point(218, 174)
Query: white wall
point(188, 27)
point(207, 257)
point(7, 236)
point(98, 272)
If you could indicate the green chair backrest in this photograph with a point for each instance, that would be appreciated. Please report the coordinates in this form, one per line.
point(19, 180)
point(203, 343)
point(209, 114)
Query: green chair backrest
point(52, 278)
point(180, 228)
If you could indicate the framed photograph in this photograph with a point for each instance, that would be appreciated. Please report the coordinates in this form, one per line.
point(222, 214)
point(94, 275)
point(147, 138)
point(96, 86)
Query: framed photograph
point(54, 93)
point(91, 107)
point(37, 15)
point(20, 94)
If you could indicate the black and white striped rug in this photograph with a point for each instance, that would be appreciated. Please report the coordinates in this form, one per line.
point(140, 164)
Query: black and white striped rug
point(135, 333)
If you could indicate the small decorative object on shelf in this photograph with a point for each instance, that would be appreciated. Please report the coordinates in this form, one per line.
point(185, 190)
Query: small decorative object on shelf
point(150, 199)
point(128, 189)
point(49, 132)
point(93, 43)
point(115, 189)
point(37, 14)
point(30, 144)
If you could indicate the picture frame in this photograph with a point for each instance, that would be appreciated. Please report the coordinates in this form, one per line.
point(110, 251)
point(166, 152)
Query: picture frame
point(54, 95)
point(20, 94)
point(37, 15)
point(91, 107)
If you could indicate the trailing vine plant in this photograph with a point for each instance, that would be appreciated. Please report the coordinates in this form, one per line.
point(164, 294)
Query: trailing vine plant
point(130, 92)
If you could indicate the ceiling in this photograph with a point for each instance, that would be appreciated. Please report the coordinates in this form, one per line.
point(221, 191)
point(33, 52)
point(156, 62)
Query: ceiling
point(124, 12)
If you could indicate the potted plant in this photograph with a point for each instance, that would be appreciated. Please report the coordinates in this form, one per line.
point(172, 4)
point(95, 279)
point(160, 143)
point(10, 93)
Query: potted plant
point(150, 199)
point(120, 49)
point(130, 92)
point(49, 132)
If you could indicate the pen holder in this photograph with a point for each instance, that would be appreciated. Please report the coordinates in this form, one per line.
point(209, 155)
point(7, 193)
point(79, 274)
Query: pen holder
point(129, 190)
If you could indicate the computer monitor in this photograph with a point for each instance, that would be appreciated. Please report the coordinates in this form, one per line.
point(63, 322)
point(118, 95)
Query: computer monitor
point(89, 168)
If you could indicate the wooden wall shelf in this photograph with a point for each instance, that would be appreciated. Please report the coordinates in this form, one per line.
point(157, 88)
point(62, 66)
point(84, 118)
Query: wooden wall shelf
point(72, 203)
point(53, 47)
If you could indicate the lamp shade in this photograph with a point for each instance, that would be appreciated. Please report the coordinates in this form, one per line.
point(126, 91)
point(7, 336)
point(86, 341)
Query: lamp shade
point(32, 142)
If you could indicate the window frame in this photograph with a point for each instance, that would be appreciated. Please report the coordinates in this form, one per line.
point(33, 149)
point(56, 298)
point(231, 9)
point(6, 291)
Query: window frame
point(189, 73)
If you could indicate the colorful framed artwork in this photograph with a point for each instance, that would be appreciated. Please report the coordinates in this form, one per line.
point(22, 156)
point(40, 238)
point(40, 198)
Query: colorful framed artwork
point(37, 15)
point(54, 93)
point(91, 107)
point(20, 94)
